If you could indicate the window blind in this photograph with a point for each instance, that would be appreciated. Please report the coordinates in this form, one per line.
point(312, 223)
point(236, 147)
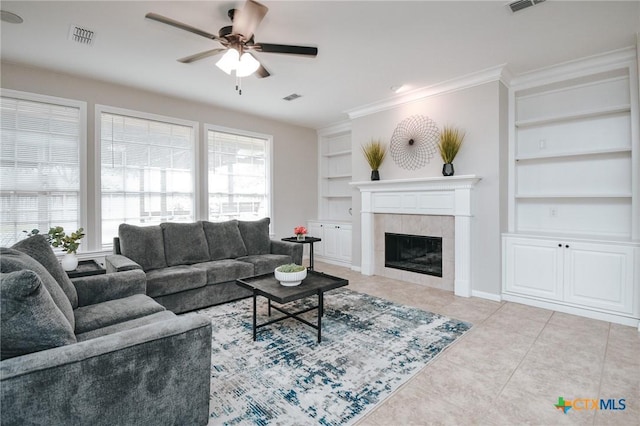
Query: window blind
point(147, 172)
point(239, 179)
point(39, 167)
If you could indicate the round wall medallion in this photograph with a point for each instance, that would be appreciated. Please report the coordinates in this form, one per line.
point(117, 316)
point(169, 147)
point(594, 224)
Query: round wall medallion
point(414, 142)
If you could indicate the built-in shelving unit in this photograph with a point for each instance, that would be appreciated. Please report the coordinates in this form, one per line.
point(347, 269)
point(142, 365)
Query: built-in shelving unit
point(335, 193)
point(574, 207)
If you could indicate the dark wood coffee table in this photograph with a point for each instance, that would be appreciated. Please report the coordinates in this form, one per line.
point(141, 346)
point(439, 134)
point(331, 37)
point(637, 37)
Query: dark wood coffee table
point(267, 286)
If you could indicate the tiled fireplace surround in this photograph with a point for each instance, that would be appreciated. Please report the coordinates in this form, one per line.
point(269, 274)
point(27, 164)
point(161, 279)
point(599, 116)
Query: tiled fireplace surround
point(437, 207)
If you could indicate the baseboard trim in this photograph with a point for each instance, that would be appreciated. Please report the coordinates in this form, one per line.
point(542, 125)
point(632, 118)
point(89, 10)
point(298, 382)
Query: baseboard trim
point(485, 295)
point(583, 312)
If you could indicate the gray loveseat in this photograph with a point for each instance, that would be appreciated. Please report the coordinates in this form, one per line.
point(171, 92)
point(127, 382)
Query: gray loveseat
point(94, 350)
point(193, 265)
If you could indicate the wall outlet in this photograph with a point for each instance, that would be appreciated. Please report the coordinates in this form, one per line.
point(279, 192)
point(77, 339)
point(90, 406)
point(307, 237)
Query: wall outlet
point(553, 212)
point(542, 143)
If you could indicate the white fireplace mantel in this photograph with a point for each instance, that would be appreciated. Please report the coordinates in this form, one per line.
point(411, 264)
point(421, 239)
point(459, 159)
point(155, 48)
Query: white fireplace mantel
point(445, 196)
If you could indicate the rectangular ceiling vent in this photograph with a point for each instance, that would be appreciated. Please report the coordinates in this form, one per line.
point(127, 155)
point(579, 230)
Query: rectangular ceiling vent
point(292, 97)
point(81, 35)
point(523, 4)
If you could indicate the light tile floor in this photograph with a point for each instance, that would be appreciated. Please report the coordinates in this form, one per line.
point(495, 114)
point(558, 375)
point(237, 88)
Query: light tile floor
point(512, 366)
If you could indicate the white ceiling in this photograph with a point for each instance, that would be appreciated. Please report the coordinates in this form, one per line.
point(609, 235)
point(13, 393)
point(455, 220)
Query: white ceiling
point(365, 47)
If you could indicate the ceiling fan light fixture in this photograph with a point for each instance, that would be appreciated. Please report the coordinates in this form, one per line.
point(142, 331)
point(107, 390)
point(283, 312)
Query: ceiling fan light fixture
point(229, 61)
point(247, 65)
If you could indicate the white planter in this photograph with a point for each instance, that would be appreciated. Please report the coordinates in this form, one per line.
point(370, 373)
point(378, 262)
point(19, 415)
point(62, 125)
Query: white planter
point(69, 262)
point(290, 279)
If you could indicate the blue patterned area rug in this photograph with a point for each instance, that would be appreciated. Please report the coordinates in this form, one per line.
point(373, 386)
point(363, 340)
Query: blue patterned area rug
point(370, 346)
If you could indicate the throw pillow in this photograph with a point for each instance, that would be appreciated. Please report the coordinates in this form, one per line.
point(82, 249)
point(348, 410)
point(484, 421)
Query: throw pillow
point(143, 244)
point(255, 235)
point(38, 248)
point(224, 240)
point(13, 260)
point(29, 318)
point(184, 243)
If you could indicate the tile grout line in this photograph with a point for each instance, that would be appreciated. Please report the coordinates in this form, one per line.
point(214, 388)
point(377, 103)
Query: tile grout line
point(604, 361)
point(524, 356)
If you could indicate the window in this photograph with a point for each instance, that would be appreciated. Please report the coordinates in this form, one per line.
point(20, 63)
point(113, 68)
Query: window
point(239, 168)
point(147, 169)
point(41, 175)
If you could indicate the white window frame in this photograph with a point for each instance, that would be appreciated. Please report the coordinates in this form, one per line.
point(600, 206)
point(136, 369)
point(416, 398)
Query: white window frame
point(99, 110)
point(82, 154)
point(204, 164)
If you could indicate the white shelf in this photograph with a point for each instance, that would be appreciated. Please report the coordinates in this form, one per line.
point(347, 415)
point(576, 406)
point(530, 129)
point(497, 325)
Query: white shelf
point(576, 116)
point(572, 195)
point(594, 152)
point(337, 153)
point(346, 176)
point(336, 196)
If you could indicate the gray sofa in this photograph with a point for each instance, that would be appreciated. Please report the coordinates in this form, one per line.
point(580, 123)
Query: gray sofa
point(94, 350)
point(193, 265)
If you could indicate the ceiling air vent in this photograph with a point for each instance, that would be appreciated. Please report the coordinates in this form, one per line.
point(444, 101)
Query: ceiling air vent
point(523, 4)
point(81, 35)
point(292, 97)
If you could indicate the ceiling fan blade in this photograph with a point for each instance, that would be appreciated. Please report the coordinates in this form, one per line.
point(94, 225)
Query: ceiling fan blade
point(287, 49)
point(247, 19)
point(201, 55)
point(177, 24)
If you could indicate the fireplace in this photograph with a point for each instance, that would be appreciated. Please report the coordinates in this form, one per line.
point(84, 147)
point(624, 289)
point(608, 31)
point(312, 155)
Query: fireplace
point(415, 253)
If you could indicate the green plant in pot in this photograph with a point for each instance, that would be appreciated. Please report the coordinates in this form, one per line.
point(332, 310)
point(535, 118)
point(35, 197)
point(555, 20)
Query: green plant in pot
point(374, 152)
point(290, 274)
point(67, 243)
point(451, 139)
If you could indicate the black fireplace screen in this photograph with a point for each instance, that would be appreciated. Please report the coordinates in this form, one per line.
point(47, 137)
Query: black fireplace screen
point(413, 253)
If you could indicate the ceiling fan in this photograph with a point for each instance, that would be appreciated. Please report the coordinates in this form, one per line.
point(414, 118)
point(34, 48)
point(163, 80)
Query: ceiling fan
point(238, 41)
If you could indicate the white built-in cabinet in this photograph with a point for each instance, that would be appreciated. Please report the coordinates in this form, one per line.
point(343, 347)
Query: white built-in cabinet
point(335, 246)
point(574, 205)
point(335, 175)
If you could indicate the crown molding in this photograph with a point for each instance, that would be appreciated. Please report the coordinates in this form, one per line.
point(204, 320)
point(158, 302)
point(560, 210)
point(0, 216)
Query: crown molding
point(577, 68)
point(498, 73)
point(335, 128)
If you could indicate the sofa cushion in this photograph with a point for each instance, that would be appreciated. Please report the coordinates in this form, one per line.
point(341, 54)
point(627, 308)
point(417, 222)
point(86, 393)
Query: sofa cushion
point(143, 244)
point(29, 319)
point(104, 314)
point(219, 271)
point(174, 279)
point(13, 260)
point(126, 325)
point(224, 240)
point(184, 243)
point(265, 263)
point(255, 235)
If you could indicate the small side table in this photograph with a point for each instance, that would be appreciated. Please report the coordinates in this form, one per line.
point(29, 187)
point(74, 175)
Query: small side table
point(86, 268)
point(307, 240)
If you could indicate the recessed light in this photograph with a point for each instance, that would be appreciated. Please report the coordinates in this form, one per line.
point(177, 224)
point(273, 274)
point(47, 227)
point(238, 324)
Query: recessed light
point(11, 18)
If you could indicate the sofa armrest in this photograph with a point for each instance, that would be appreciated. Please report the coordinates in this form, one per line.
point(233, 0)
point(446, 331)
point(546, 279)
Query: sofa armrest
point(285, 247)
point(119, 263)
point(101, 288)
point(154, 374)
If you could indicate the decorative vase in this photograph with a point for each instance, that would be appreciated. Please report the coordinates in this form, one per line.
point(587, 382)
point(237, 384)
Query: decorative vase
point(290, 279)
point(301, 237)
point(69, 261)
point(447, 169)
point(375, 175)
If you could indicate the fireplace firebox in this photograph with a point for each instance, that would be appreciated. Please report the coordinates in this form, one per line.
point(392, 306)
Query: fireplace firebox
point(415, 253)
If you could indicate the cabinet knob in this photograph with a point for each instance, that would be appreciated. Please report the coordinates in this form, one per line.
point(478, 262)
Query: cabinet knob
point(567, 246)
point(559, 245)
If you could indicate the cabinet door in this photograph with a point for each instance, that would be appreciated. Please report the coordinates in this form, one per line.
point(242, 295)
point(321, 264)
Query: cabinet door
point(344, 244)
point(315, 229)
point(600, 276)
point(331, 240)
point(533, 267)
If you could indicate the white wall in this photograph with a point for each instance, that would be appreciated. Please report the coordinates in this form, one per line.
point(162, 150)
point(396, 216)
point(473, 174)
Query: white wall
point(295, 173)
point(482, 112)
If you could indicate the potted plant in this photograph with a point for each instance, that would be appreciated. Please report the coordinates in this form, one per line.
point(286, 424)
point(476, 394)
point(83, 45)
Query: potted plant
point(374, 152)
point(290, 274)
point(67, 243)
point(450, 142)
point(300, 232)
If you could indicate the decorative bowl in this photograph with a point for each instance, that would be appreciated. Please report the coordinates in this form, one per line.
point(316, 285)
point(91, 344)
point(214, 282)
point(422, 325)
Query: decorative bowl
point(290, 279)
